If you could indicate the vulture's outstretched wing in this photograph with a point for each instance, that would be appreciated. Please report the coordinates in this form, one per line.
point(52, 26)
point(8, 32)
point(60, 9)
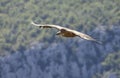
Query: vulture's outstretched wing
point(47, 26)
point(66, 32)
point(85, 36)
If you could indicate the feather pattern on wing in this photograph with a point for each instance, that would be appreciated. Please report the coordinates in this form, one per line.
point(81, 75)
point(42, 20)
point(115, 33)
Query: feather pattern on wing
point(47, 26)
point(66, 32)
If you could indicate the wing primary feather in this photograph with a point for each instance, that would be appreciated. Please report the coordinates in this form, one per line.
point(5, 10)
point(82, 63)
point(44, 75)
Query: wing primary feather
point(99, 42)
point(35, 24)
point(86, 37)
point(47, 26)
point(38, 25)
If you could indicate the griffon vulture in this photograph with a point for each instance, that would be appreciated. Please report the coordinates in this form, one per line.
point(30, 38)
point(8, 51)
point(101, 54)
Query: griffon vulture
point(66, 32)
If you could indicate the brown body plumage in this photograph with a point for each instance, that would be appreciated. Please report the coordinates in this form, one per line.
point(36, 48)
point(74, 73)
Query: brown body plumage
point(66, 32)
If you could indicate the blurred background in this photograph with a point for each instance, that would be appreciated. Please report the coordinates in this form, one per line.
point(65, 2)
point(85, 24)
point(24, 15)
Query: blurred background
point(29, 52)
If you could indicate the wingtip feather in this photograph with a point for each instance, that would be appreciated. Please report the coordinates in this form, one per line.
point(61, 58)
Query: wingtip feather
point(99, 42)
point(34, 23)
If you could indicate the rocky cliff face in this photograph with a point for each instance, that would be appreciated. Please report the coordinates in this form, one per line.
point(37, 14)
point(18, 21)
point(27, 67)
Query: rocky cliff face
point(72, 58)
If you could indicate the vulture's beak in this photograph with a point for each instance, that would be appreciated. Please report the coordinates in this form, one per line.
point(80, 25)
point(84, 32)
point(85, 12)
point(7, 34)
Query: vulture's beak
point(58, 33)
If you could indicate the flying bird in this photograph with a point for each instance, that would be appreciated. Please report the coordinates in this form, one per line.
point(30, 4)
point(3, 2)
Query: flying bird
point(66, 32)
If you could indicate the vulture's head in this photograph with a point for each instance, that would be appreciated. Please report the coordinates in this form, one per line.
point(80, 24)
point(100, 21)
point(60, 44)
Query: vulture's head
point(60, 32)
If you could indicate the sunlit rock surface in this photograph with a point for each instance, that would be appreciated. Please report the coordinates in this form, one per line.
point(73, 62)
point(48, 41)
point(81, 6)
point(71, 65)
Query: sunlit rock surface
point(72, 58)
